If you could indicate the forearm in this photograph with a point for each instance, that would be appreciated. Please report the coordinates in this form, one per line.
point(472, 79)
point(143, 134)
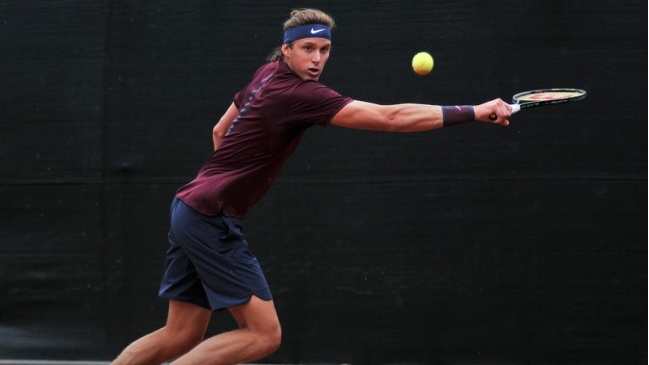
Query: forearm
point(419, 117)
point(411, 117)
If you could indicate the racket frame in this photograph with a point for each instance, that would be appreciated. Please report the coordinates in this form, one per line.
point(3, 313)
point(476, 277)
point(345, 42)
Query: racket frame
point(520, 104)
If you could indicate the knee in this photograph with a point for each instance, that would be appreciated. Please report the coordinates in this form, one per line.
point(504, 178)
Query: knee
point(276, 340)
point(270, 340)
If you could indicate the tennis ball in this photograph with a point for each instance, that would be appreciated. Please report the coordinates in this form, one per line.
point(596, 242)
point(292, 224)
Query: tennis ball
point(422, 63)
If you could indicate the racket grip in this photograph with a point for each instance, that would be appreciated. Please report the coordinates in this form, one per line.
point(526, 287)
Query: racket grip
point(515, 108)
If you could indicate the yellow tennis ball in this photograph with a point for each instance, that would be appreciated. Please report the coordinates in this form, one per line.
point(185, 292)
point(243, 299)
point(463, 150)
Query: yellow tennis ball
point(422, 63)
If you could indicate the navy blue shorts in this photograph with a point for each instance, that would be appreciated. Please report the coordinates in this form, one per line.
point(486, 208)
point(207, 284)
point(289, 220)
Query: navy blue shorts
point(208, 262)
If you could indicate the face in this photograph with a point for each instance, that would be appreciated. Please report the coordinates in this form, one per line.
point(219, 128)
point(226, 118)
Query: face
point(307, 57)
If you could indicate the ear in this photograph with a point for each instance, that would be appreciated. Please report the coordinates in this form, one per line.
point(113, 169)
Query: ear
point(286, 49)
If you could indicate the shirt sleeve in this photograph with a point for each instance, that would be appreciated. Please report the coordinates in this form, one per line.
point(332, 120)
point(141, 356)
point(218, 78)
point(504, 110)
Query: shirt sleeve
point(313, 102)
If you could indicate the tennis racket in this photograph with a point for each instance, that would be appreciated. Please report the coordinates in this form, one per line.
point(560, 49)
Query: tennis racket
point(543, 97)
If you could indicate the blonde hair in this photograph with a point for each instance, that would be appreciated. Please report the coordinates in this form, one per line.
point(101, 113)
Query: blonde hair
point(302, 17)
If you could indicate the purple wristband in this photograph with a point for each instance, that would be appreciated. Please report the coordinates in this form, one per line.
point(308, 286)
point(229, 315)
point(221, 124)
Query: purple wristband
point(452, 115)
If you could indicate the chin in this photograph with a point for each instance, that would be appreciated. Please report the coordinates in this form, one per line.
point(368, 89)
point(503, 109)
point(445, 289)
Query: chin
point(310, 77)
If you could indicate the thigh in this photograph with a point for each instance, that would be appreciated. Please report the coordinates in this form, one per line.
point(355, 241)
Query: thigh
point(257, 315)
point(188, 319)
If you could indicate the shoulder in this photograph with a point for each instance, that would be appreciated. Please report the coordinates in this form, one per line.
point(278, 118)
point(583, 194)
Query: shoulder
point(266, 69)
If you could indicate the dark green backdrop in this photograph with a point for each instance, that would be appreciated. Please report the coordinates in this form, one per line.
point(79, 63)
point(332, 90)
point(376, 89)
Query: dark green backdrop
point(474, 244)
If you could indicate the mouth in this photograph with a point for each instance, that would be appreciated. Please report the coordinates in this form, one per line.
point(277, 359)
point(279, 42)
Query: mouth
point(313, 71)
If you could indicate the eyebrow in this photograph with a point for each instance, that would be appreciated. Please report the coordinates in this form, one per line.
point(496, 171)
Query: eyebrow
point(310, 43)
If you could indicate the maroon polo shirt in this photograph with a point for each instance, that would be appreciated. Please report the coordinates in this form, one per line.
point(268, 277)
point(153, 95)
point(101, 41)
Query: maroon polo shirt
point(275, 109)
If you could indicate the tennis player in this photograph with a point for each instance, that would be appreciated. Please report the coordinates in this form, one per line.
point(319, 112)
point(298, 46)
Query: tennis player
point(209, 264)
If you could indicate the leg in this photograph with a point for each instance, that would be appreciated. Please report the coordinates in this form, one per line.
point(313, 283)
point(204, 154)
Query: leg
point(185, 328)
point(258, 336)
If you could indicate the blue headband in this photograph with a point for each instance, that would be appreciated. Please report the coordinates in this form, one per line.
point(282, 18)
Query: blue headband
point(307, 31)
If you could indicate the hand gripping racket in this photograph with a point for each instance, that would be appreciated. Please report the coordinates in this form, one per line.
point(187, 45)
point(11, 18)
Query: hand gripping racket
point(543, 97)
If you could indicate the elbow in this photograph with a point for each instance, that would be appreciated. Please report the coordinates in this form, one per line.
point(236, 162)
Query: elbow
point(217, 136)
point(395, 125)
point(217, 133)
point(392, 121)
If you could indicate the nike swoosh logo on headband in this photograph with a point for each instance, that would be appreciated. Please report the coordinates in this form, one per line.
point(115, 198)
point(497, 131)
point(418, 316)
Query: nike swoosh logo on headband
point(314, 31)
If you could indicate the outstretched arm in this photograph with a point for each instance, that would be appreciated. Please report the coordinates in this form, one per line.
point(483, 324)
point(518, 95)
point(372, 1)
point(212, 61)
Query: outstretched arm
point(417, 117)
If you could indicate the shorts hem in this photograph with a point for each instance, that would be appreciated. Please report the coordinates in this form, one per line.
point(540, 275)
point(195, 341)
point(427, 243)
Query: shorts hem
point(220, 306)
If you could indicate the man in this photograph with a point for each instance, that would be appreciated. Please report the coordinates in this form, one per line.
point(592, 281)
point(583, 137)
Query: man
point(209, 266)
